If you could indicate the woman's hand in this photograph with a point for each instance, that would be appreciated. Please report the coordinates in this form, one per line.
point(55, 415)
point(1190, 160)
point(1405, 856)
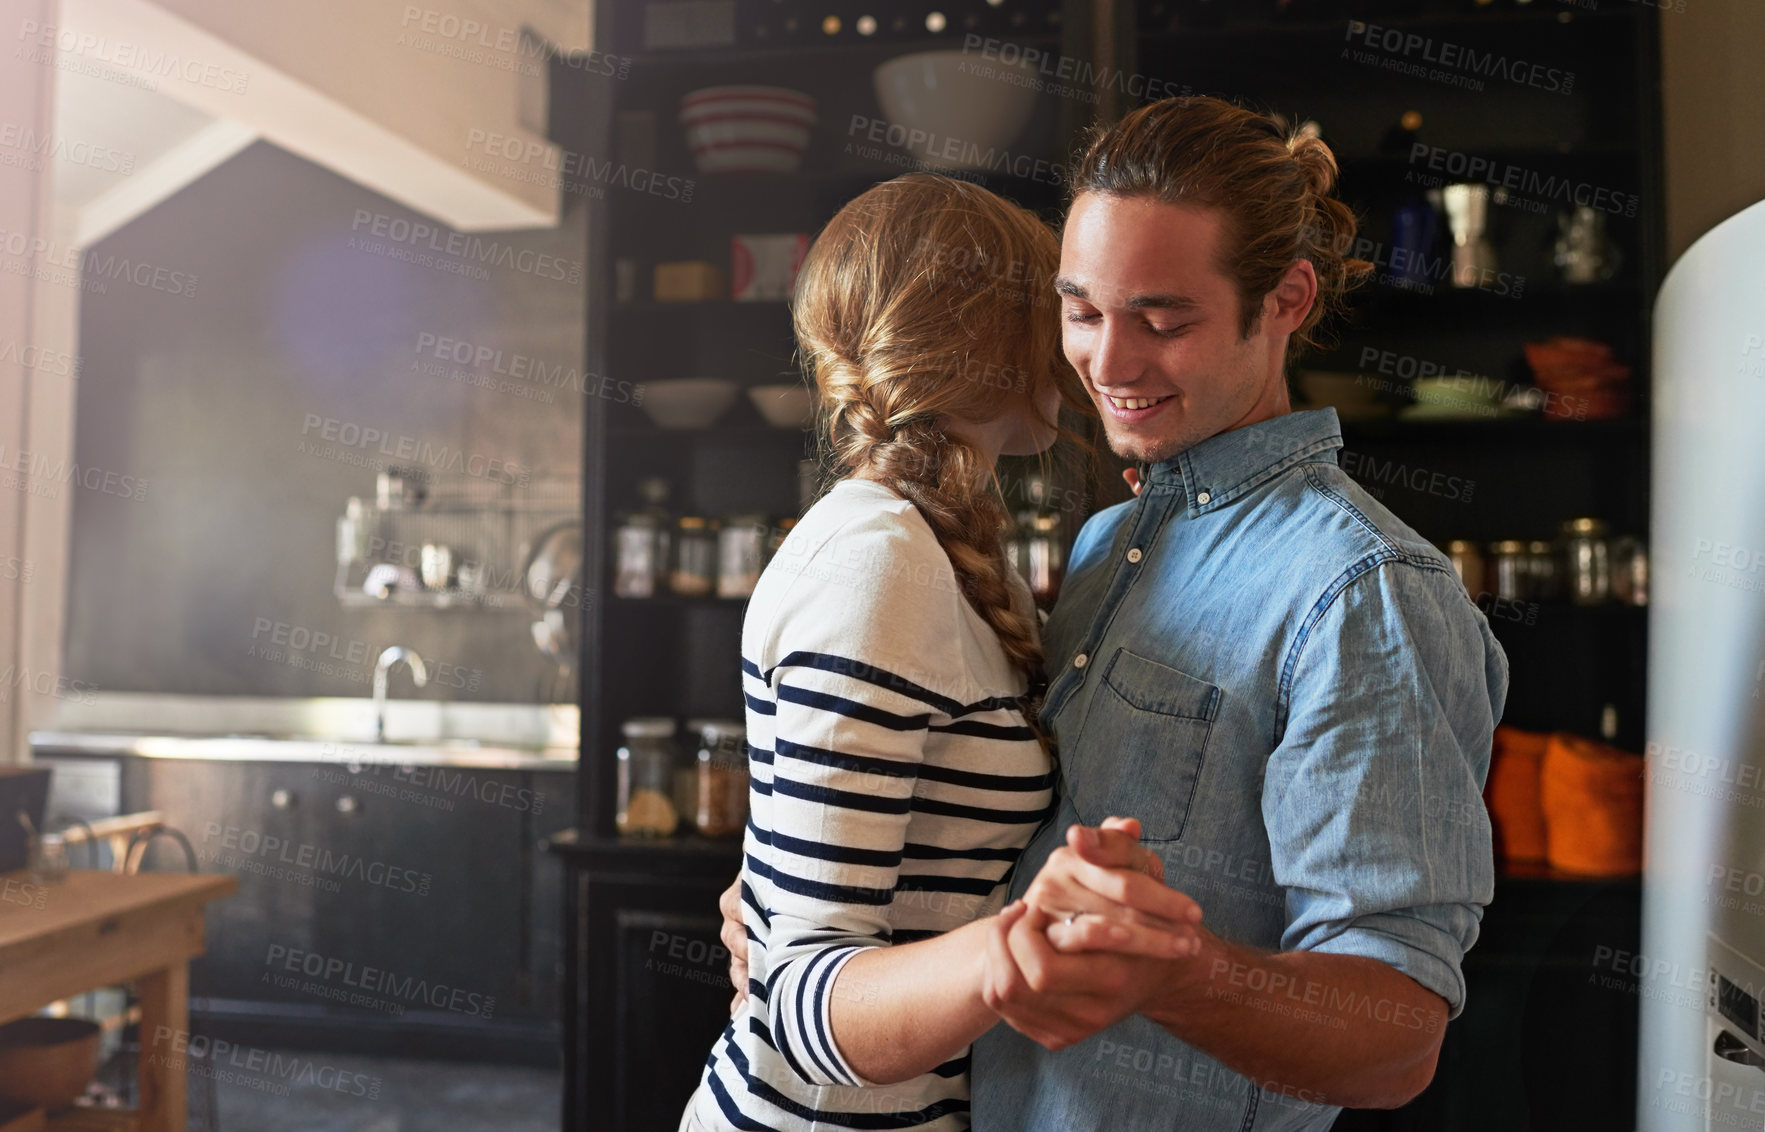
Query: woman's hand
point(1104, 891)
point(735, 937)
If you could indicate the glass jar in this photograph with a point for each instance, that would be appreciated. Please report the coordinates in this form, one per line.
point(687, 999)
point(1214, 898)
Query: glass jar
point(646, 778)
point(1630, 570)
point(1044, 557)
point(694, 573)
point(1506, 572)
point(1543, 570)
point(1467, 563)
point(741, 551)
point(637, 566)
point(1587, 560)
point(720, 795)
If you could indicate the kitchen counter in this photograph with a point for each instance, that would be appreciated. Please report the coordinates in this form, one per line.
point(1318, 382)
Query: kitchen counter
point(341, 731)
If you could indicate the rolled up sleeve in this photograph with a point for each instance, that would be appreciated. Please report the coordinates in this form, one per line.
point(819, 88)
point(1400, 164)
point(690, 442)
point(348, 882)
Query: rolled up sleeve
point(1373, 794)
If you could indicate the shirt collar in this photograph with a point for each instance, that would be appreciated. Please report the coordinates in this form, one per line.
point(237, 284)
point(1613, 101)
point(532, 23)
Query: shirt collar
point(1221, 468)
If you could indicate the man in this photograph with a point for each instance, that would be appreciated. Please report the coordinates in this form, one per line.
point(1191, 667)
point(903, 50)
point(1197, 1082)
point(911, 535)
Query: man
point(1285, 684)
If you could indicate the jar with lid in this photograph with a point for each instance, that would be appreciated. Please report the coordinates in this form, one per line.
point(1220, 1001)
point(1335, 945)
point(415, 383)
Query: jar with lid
point(1507, 573)
point(720, 796)
point(741, 550)
point(694, 572)
point(646, 778)
point(1587, 561)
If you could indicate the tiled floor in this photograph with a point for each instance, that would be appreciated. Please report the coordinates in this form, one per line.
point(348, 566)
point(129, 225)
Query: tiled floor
point(301, 1091)
point(350, 1093)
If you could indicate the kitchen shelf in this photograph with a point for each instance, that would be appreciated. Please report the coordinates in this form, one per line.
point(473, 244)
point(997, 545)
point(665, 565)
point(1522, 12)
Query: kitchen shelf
point(1261, 31)
point(825, 48)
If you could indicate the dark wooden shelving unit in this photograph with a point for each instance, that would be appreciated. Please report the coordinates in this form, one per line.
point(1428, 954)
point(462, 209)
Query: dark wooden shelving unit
point(640, 1016)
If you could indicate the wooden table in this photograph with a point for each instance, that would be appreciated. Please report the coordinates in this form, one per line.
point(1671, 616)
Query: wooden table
point(95, 929)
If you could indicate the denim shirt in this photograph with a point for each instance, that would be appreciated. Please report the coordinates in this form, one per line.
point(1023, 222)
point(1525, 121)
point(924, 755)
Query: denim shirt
point(1294, 694)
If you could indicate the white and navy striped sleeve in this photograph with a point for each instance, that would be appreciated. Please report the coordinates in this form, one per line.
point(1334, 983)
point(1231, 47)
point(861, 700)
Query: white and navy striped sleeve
point(856, 681)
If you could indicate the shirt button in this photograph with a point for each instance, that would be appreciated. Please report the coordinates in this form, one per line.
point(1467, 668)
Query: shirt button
point(1204, 499)
point(1134, 555)
point(1080, 660)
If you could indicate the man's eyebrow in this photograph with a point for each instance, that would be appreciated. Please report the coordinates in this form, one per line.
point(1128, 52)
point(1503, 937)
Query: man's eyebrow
point(1066, 285)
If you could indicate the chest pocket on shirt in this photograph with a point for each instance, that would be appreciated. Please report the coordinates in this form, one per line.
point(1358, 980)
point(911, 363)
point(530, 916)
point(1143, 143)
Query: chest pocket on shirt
point(1141, 748)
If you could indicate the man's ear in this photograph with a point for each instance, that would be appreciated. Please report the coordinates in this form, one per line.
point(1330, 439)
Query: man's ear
point(1285, 307)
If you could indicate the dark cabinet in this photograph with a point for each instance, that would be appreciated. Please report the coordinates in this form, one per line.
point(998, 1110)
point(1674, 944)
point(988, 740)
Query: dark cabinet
point(380, 907)
point(646, 980)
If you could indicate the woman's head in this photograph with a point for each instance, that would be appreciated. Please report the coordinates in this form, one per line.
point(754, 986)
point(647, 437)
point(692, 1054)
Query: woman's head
point(925, 318)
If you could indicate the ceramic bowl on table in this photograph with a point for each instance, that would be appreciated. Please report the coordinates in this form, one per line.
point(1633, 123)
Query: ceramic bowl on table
point(953, 109)
point(747, 129)
point(688, 402)
point(784, 406)
point(47, 1062)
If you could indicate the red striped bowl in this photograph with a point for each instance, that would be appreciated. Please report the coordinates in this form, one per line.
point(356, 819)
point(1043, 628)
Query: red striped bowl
point(747, 129)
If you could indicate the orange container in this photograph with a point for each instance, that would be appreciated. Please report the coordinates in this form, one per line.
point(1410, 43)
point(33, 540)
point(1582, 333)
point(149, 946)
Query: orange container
point(1516, 807)
point(1592, 794)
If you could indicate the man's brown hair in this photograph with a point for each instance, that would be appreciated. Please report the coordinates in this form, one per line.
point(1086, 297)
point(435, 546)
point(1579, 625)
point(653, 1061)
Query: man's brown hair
point(1274, 186)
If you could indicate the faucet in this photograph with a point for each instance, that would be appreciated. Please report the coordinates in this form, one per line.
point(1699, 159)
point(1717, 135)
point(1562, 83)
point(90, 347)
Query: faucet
point(382, 668)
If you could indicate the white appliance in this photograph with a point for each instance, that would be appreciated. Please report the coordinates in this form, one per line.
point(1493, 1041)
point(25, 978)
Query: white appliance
point(1702, 1058)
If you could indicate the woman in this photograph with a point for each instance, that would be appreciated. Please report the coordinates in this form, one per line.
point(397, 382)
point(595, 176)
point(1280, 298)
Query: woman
point(886, 655)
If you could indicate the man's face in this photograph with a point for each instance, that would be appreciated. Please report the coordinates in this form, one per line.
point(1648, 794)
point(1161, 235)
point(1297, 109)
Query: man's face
point(1151, 325)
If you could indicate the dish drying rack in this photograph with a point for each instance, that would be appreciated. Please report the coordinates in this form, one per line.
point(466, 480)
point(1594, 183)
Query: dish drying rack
point(447, 542)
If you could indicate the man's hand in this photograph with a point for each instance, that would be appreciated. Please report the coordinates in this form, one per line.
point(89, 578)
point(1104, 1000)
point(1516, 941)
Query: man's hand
point(1058, 1000)
point(734, 934)
point(1104, 891)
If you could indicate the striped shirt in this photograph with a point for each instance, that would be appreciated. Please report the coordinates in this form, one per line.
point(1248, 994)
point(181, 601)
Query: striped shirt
point(895, 782)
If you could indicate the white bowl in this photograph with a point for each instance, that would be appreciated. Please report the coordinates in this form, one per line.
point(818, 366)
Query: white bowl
point(747, 129)
point(688, 402)
point(784, 406)
point(954, 109)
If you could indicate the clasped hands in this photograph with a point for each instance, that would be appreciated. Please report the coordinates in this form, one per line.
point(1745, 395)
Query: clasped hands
point(1093, 939)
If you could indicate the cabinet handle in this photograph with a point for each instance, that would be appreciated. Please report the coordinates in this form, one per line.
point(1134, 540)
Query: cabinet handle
point(346, 804)
point(281, 799)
